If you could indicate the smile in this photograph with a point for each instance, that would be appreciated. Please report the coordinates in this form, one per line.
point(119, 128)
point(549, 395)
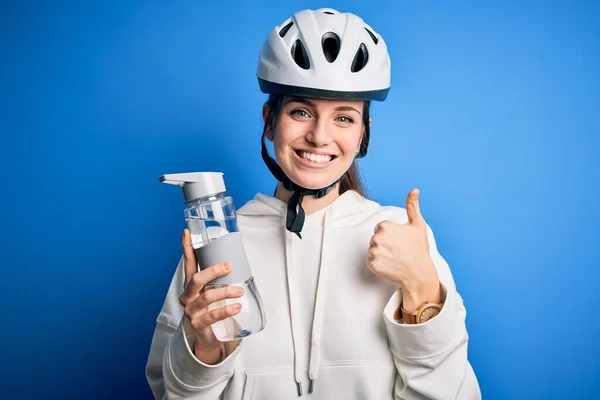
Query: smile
point(315, 158)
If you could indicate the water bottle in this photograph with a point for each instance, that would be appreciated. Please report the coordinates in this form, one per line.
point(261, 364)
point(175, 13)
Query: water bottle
point(212, 220)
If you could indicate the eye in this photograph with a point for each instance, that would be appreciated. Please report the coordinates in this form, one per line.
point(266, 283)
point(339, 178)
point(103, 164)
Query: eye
point(345, 120)
point(299, 113)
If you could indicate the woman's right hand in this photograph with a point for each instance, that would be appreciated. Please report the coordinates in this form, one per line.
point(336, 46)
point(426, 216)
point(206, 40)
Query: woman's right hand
point(195, 302)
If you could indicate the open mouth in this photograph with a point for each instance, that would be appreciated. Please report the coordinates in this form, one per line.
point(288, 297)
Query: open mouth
point(316, 158)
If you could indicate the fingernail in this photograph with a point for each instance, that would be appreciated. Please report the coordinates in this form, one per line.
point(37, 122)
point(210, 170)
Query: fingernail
point(226, 267)
point(239, 292)
point(237, 307)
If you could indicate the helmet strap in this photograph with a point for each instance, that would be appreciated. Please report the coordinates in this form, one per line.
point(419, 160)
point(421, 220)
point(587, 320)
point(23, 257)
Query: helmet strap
point(295, 213)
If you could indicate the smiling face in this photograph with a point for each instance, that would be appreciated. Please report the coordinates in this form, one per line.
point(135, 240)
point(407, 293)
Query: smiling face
point(316, 140)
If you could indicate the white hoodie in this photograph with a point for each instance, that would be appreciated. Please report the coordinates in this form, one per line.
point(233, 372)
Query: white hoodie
point(329, 319)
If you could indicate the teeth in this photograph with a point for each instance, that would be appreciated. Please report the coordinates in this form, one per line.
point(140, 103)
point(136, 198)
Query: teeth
point(317, 158)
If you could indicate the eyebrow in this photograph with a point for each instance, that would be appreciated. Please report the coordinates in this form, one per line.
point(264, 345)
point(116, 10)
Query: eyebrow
point(311, 104)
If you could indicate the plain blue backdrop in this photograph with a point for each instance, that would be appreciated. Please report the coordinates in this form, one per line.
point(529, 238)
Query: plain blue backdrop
point(493, 114)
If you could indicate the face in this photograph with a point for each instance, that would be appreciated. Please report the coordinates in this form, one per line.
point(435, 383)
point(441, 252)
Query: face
point(316, 140)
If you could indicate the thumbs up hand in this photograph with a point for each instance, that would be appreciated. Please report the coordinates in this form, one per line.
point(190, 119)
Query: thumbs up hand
point(400, 253)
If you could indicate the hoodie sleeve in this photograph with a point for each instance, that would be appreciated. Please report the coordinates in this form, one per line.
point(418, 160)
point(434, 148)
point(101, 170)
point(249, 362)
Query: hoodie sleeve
point(431, 358)
point(172, 370)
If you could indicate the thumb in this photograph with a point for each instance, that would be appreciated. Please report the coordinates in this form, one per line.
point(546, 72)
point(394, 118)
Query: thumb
point(412, 207)
point(189, 256)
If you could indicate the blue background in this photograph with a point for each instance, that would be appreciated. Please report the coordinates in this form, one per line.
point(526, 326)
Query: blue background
point(493, 114)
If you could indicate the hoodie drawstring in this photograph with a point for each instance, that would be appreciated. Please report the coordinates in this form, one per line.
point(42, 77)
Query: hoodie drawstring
point(320, 300)
point(289, 260)
point(319, 309)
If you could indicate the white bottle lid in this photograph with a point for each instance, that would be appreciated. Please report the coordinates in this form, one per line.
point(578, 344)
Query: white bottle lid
point(197, 184)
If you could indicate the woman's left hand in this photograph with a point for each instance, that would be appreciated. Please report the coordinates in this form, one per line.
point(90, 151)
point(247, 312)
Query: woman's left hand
point(400, 253)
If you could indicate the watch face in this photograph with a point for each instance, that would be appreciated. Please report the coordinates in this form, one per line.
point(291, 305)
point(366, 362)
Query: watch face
point(429, 313)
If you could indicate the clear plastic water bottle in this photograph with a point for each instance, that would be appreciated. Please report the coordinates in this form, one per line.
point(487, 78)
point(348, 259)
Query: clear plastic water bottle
point(212, 221)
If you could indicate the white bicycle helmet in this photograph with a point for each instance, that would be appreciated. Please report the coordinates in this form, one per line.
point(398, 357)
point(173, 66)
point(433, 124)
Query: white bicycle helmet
point(325, 54)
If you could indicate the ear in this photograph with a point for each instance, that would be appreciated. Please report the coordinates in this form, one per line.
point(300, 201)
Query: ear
point(362, 135)
point(266, 112)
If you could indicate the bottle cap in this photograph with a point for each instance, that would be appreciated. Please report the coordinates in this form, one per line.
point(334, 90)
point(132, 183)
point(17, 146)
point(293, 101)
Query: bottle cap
point(196, 184)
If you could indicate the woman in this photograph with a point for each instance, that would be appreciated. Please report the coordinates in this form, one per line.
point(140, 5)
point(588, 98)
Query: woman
point(360, 304)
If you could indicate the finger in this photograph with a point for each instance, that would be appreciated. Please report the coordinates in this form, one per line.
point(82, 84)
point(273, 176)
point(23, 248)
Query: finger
point(371, 254)
point(199, 279)
point(377, 253)
point(379, 259)
point(218, 314)
point(412, 207)
point(375, 241)
point(374, 260)
point(382, 226)
point(208, 297)
point(190, 262)
point(377, 228)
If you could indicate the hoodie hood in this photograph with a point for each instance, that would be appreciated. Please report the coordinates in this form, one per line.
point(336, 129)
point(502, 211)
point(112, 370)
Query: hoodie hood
point(348, 209)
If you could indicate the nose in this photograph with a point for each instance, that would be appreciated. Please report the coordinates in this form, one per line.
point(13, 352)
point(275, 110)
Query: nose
point(319, 134)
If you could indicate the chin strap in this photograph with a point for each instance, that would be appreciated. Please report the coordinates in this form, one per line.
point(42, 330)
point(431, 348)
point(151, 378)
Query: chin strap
point(295, 214)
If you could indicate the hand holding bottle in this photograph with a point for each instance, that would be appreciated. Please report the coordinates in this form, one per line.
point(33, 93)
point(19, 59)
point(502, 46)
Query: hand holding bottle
point(196, 302)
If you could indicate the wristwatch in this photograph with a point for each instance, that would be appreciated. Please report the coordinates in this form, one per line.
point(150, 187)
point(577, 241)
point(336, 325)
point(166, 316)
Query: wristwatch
point(424, 313)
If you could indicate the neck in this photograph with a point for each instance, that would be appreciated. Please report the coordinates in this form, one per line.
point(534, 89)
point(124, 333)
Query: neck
point(310, 204)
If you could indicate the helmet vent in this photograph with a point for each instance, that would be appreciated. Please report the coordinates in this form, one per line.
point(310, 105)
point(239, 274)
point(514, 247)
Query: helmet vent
point(331, 46)
point(328, 12)
point(285, 29)
point(360, 59)
point(375, 40)
point(299, 55)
